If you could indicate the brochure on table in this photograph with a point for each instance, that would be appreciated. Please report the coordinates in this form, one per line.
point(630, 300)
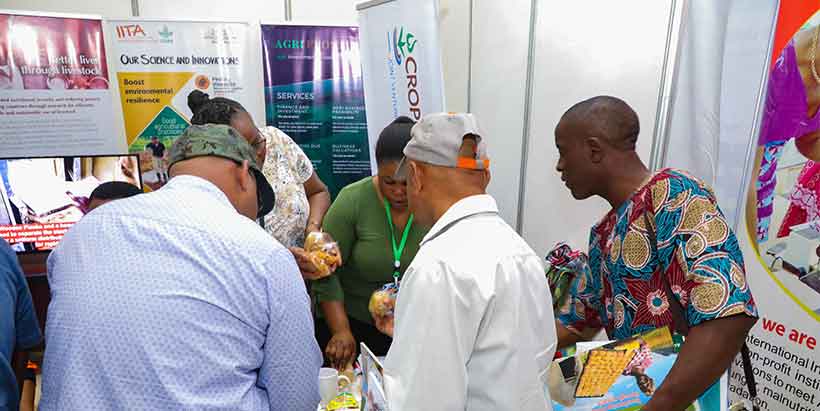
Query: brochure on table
point(622, 376)
point(373, 396)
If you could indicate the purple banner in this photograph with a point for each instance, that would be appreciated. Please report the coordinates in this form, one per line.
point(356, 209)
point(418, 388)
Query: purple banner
point(314, 93)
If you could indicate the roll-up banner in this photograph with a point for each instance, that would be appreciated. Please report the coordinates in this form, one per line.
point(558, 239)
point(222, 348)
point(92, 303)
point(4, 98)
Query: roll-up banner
point(782, 247)
point(314, 93)
point(54, 87)
point(159, 63)
point(401, 60)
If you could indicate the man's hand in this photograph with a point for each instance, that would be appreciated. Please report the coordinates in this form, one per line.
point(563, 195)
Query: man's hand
point(341, 349)
point(567, 337)
point(306, 266)
point(706, 354)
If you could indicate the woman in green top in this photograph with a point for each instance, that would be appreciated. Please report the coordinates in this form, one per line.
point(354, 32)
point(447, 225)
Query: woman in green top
point(360, 220)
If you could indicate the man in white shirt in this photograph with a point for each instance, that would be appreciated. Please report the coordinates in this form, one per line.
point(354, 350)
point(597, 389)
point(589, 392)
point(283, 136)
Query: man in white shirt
point(474, 327)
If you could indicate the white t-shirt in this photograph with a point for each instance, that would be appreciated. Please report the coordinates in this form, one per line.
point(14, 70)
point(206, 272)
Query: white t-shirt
point(474, 327)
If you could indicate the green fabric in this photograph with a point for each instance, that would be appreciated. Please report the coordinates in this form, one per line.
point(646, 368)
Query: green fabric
point(212, 140)
point(358, 223)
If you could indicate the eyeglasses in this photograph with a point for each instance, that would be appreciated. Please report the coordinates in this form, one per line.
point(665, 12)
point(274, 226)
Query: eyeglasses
point(259, 142)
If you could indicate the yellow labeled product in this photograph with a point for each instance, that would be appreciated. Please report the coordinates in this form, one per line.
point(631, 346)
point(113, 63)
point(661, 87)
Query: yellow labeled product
point(602, 368)
point(344, 401)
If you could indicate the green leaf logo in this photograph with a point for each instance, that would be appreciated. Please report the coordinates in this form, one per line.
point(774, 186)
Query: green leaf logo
point(406, 43)
point(165, 33)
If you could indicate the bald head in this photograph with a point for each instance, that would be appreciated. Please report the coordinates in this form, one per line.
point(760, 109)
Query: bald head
point(606, 117)
point(596, 149)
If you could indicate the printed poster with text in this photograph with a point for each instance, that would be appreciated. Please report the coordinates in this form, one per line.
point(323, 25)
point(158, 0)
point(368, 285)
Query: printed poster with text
point(159, 63)
point(314, 93)
point(54, 90)
point(782, 247)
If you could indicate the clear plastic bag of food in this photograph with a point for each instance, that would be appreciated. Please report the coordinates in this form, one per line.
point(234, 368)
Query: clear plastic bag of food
point(323, 251)
point(383, 301)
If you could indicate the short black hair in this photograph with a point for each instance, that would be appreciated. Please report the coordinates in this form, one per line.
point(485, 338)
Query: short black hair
point(114, 190)
point(217, 110)
point(393, 139)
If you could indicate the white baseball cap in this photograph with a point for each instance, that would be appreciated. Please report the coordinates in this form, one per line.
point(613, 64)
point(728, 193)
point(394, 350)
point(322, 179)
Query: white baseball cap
point(437, 139)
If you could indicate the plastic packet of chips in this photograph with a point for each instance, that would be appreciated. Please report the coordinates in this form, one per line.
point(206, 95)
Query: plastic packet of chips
point(383, 300)
point(563, 265)
point(323, 251)
point(343, 401)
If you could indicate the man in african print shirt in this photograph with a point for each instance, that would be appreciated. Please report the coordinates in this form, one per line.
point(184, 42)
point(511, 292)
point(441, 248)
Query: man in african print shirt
point(664, 236)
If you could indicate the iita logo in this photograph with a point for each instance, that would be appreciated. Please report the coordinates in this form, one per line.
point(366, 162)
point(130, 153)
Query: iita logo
point(403, 44)
point(130, 31)
point(165, 35)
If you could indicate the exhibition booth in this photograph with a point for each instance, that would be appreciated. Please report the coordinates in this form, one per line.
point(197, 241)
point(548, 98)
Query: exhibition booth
point(722, 90)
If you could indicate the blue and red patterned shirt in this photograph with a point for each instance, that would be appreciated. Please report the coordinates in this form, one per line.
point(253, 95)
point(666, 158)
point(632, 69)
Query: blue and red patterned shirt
point(624, 290)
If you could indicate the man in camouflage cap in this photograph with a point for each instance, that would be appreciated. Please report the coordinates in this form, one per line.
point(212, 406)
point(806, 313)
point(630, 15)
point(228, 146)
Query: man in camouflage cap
point(194, 305)
point(212, 140)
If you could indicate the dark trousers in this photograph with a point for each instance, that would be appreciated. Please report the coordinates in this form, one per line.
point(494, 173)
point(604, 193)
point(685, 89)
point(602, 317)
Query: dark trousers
point(362, 332)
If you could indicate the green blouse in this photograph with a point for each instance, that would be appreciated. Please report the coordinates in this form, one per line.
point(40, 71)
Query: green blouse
point(358, 222)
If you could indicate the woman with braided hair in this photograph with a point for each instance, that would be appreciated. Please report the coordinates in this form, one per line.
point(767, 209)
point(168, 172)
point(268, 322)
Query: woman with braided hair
point(302, 199)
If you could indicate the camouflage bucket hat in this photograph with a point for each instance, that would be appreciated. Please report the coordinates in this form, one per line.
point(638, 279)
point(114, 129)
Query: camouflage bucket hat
point(216, 140)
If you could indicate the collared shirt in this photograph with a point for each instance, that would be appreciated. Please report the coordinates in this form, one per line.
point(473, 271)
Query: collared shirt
point(695, 252)
point(174, 301)
point(474, 327)
point(18, 322)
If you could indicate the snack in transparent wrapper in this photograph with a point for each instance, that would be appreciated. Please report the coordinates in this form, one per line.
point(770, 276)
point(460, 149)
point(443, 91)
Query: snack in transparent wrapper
point(564, 264)
point(344, 401)
point(323, 251)
point(382, 301)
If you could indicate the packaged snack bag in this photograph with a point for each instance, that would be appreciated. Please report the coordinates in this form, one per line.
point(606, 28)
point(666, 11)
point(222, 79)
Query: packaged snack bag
point(323, 251)
point(382, 301)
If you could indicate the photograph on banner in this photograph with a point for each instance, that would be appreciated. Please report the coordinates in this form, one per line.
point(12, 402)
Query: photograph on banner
point(42, 197)
point(314, 93)
point(782, 209)
point(786, 220)
point(54, 89)
point(158, 64)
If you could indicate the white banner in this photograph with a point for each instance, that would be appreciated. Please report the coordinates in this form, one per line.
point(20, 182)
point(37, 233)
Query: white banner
point(401, 62)
point(159, 63)
point(54, 87)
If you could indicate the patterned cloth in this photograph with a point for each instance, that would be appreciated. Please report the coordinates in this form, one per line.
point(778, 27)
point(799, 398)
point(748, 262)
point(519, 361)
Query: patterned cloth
point(785, 116)
point(174, 301)
point(624, 289)
point(804, 206)
point(765, 185)
point(287, 168)
point(641, 361)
